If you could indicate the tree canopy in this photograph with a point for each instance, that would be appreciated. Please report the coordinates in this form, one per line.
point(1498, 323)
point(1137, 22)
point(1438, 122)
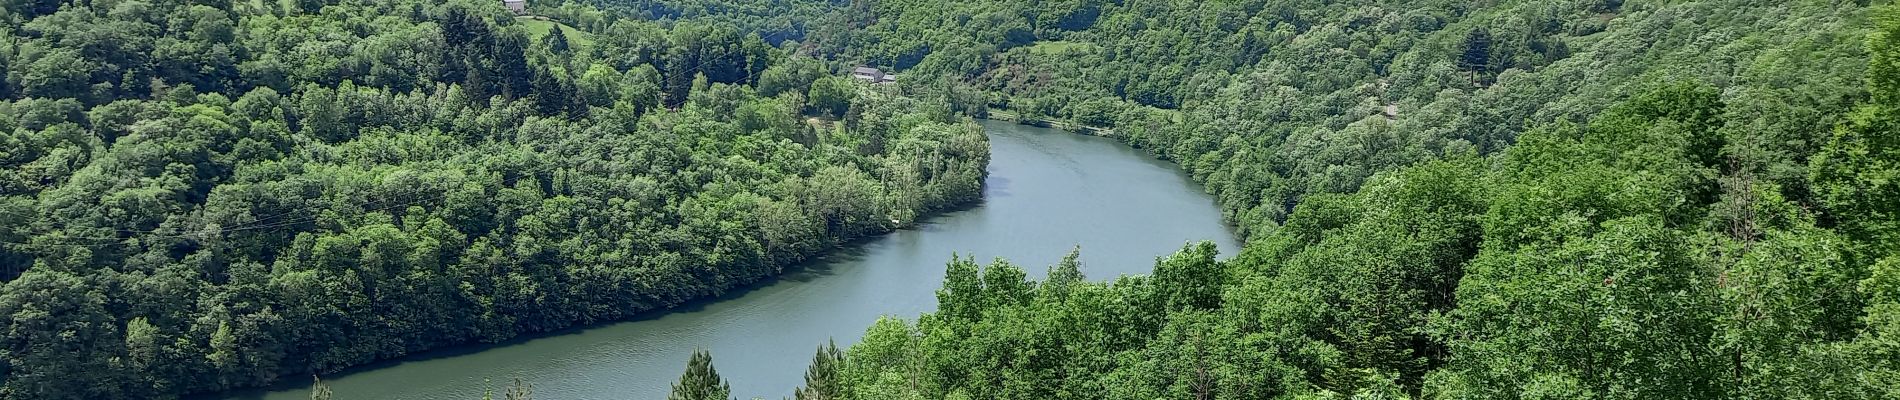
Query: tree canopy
point(1441, 199)
point(200, 196)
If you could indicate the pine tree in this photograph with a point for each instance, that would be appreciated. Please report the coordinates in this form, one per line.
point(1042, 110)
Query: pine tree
point(519, 391)
point(1476, 53)
point(556, 40)
point(478, 80)
point(576, 104)
point(511, 61)
point(822, 380)
point(701, 381)
point(318, 390)
point(549, 99)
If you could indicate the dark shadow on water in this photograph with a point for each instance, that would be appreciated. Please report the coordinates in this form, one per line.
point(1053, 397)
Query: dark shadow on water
point(823, 265)
point(996, 186)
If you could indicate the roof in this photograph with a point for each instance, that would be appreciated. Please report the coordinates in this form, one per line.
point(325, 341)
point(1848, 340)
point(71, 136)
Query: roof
point(873, 75)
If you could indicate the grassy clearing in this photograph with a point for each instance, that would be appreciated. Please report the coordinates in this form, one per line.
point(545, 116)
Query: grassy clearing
point(1060, 48)
point(538, 27)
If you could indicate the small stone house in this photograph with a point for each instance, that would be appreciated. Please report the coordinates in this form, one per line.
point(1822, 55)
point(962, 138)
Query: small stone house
point(519, 7)
point(872, 75)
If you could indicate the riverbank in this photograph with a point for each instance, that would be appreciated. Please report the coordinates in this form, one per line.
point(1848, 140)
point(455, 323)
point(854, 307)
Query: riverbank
point(1047, 192)
point(1006, 115)
point(816, 265)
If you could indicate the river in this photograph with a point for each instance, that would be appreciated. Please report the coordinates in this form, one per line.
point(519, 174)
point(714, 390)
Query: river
point(1047, 192)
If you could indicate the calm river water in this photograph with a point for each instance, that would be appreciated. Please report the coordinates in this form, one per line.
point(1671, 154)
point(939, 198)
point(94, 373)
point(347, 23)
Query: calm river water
point(1047, 192)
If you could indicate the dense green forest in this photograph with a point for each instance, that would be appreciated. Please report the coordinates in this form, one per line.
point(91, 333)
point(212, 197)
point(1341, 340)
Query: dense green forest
point(1517, 199)
point(198, 195)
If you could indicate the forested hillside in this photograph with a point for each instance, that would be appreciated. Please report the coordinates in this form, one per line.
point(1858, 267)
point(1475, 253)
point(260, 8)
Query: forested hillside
point(1528, 199)
point(1267, 101)
point(1518, 199)
point(202, 195)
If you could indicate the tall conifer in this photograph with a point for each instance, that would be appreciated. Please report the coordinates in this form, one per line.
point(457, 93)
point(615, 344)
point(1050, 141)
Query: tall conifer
point(701, 381)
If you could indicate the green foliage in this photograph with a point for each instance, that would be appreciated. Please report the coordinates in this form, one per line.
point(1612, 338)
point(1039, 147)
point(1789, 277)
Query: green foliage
point(1190, 279)
point(795, 75)
point(831, 95)
point(1856, 173)
point(200, 196)
point(701, 381)
point(1523, 199)
point(1063, 277)
point(824, 379)
point(1616, 259)
point(1571, 200)
point(1269, 102)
